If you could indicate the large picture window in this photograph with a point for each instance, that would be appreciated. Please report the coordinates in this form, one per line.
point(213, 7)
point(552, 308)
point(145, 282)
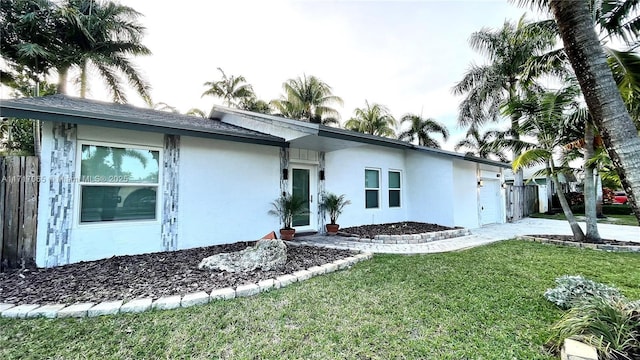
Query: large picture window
point(394, 188)
point(372, 188)
point(118, 183)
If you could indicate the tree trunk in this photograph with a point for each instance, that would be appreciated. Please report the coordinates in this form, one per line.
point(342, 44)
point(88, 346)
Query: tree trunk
point(599, 195)
point(62, 80)
point(518, 180)
point(83, 79)
point(601, 94)
point(590, 212)
point(573, 223)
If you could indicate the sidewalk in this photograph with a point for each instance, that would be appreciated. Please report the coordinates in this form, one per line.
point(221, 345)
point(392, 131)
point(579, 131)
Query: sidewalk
point(480, 236)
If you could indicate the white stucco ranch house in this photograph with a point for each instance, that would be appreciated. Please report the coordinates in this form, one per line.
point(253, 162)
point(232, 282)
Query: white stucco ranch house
point(122, 180)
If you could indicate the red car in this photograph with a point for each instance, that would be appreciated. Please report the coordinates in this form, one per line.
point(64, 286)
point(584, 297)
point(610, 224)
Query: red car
point(620, 197)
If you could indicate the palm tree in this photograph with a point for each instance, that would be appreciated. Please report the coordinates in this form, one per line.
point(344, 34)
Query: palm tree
point(478, 144)
point(421, 128)
point(42, 35)
point(504, 80)
point(231, 89)
point(30, 40)
point(584, 50)
point(252, 103)
point(545, 118)
point(625, 67)
point(373, 119)
point(309, 99)
point(114, 35)
point(196, 112)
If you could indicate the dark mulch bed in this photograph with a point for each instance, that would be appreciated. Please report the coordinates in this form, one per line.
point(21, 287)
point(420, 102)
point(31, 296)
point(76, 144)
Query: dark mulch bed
point(147, 275)
point(570, 238)
point(399, 228)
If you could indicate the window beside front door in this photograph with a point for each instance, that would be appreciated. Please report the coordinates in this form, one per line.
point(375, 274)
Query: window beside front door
point(394, 188)
point(118, 183)
point(372, 188)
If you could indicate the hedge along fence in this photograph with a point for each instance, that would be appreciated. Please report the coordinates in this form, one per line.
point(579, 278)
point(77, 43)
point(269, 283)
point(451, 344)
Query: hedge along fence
point(18, 210)
point(606, 209)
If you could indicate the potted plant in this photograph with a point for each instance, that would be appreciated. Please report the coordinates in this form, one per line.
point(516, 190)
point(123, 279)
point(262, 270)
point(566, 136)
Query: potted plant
point(333, 204)
point(286, 207)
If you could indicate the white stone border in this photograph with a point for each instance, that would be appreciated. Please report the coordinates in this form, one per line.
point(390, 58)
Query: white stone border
point(412, 238)
point(90, 309)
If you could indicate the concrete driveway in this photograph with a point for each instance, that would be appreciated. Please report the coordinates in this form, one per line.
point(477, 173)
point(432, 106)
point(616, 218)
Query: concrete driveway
point(531, 226)
point(480, 236)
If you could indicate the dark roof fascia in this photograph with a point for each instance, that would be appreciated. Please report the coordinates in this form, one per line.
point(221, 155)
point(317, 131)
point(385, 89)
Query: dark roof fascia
point(463, 157)
point(113, 121)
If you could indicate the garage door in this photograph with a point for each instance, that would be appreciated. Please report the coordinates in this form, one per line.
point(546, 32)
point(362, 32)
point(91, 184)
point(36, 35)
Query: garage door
point(490, 209)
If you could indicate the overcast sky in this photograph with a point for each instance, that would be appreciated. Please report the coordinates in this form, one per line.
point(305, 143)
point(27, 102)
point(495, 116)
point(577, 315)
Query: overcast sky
point(403, 54)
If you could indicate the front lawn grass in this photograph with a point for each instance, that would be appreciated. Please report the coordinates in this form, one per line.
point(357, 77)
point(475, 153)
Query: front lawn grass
point(609, 219)
point(482, 303)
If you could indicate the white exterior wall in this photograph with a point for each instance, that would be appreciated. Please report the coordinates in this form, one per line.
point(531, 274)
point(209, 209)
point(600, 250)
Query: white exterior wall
point(431, 183)
point(226, 190)
point(344, 171)
point(465, 194)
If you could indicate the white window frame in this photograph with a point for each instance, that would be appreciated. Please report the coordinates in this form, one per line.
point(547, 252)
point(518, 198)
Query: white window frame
point(399, 189)
point(378, 189)
point(79, 183)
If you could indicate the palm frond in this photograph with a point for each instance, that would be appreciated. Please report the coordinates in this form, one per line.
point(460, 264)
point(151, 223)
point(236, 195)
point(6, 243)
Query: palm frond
point(530, 158)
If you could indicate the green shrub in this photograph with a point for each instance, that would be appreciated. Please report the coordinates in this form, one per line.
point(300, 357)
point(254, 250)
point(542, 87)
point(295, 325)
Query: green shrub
point(611, 209)
point(574, 290)
point(578, 209)
point(612, 326)
point(617, 209)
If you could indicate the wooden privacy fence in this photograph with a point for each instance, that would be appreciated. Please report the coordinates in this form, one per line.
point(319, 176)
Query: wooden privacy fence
point(19, 179)
point(529, 203)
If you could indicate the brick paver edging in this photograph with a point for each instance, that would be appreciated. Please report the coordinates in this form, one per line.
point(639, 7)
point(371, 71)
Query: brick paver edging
point(413, 238)
point(90, 309)
point(603, 247)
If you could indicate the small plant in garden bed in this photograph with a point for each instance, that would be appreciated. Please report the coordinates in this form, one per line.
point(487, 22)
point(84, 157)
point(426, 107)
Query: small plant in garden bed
point(599, 315)
point(612, 326)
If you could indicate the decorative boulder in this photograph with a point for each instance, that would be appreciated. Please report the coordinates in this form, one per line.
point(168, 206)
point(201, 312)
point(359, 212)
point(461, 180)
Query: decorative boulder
point(266, 255)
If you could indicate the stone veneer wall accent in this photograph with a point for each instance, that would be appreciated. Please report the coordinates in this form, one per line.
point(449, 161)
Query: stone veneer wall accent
point(61, 192)
point(284, 164)
point(321, 193)
point(170, 173)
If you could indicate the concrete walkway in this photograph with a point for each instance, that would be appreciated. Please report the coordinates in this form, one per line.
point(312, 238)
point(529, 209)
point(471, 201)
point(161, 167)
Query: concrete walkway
point(480, 236)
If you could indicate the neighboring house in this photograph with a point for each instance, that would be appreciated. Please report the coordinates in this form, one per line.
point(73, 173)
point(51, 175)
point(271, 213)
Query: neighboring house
point(545, 191)
point(121, 180)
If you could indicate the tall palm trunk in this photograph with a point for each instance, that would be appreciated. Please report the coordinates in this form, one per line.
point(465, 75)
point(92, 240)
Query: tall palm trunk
point(575, 24)
point(599, 195)
point(590, 212)
point(83, 77)
point(518, 180)
point(573, 223)
point(63, 72)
